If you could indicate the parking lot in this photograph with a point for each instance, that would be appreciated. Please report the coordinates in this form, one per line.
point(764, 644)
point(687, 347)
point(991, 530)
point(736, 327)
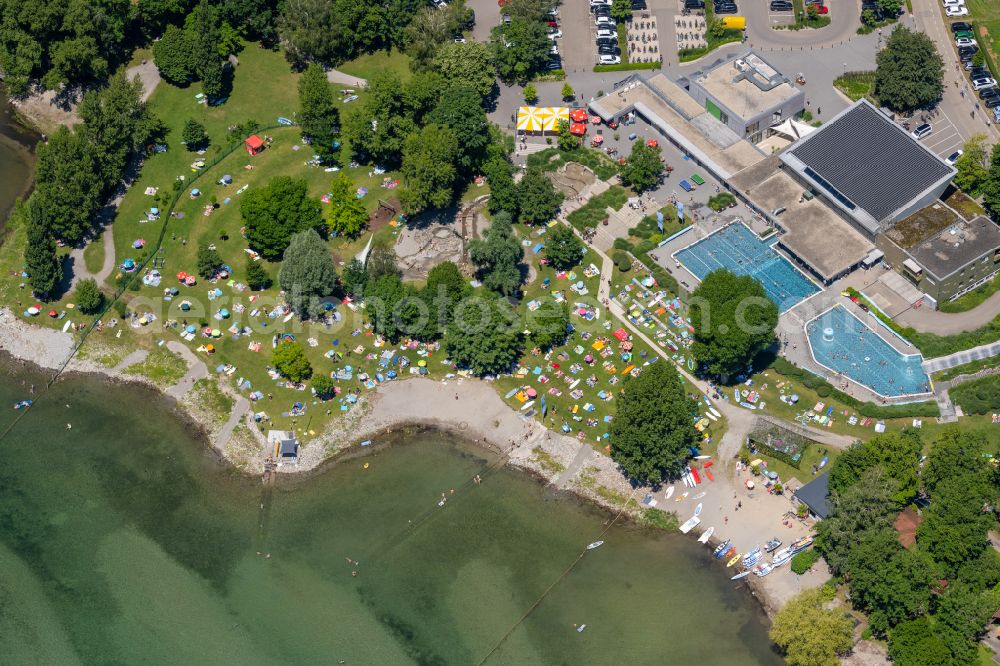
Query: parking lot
point(945, 139)
point(577, 42)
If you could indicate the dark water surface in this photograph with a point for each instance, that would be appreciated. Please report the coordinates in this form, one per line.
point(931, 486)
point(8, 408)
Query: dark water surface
point(123, 541)
point(16, 158)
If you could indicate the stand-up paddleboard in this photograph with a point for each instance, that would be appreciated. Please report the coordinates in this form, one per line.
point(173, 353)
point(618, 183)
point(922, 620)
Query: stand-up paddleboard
point(706, 535)
point(670, 492)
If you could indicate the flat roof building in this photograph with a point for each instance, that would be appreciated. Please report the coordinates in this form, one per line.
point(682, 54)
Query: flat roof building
point(942, 253)
point(747, 95)
point(868, 167)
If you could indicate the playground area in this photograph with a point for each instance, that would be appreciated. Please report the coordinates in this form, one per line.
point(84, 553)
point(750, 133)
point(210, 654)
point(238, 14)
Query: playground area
point(572, 178)
point(428, 240)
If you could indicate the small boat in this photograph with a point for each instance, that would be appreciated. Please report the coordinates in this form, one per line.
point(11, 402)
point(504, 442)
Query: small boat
point(682, 496)
point(670, 492)
point(772, 545)
point(733, 560)
point(721, 549)
point(580, 629)
point(732, 551)
point(702, 457)
point(781, 557)
point(706, 535)
point(801, 544)
point(742, 574)
point(752, 557)
point(24, 404)
point(763, 569)
point(697, 510)
point(690, 524)
point(700, 495)
point(596, 544)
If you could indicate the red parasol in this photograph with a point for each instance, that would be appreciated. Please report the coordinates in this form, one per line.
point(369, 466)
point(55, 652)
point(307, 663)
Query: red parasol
point(53, 314)
point(578, 115)
point(595, 120)
point(579, 129)
point(652, 143)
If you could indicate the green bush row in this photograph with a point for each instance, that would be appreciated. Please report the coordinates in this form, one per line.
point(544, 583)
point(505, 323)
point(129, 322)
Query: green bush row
point(591, 213)
point(802, 562)
point(980, 396)
point(626, 66)
point(823, 388)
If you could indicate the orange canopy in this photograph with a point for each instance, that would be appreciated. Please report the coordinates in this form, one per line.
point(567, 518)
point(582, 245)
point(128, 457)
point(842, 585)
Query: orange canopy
point(578, 128)
point(578, 115)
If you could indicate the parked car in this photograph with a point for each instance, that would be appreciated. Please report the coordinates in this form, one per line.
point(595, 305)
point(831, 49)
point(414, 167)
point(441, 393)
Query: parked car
point(967, 50)
point(921, 131)
point(694, 4)
point(965, 41)
point(992, 103)
point(726, 8)
point(959, 26)
point(950, 161)
point(605, 33)
point(953, 3)
point(554, 34)
point(606, 49)
point(607, 59)
point(979, 72)
point(822, 9)
point(953, 11)
point(554, 50)
point(964, 33)
point(606, 41)
point(602, 10)
point(984, 82)
point(987, 93)
point(597, 3)
point(781, 5)
point(606, 22)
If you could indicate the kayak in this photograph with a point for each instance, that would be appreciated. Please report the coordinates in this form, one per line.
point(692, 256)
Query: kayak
point(709, 475)
point(733, 561)
point(699, 495)
point(702, 457)
point(706, 535)
point(670, 492)
point(721, 549)
point(681, 496)
point(801, 544)
point(596, 544)
point(731, 551)
point(697, 510)
point(742, 574)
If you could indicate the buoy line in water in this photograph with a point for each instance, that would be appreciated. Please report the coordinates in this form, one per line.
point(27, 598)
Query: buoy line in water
point(549, 589)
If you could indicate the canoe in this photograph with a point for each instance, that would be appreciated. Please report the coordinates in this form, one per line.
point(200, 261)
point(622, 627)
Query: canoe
point(690, 524)
point(699, 495)
point(733, 561)
point(721, 549)
point(596, 544)
point(709, 475)
point(670, 492)
point(742, 574)
point(697, 510)
point(706, 535)
point(732, 551)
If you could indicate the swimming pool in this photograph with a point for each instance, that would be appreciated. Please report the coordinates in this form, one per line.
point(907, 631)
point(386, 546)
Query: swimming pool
point(738, 249)
point(843, 343)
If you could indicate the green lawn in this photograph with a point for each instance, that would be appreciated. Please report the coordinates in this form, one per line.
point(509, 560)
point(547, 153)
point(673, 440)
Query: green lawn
point(986, 14)
point(973, 298)
point(365, 66)
point(93, 255)
point(855, 85)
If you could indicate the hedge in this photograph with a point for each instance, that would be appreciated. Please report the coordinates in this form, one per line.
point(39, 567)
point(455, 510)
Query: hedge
point(928, 409)
point(622, 260)
point(980, 396)
point(626, 66)
point(802, 562)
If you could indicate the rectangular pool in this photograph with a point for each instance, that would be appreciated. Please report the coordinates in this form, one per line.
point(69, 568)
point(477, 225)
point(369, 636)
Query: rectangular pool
point(843, 343)
point(739, 250)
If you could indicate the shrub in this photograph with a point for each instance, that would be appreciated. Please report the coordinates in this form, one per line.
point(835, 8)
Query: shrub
point(622, 261)
point(323, 386)
point(89, 297)
point(801, 562)
point(625, 66)
point(823, 390)
point(622, 244)
point(980, 396)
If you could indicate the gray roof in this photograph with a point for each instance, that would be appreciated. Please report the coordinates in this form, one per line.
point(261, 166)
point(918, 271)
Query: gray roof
point(957, 246)
point(289, 448)
point(865, 161)
point(815, 495)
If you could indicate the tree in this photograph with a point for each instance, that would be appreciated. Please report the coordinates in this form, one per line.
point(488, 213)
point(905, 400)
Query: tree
point(520, 48)
point(429, 30)
point(382, 261)
point(567, 92)
point(889, 8)
point(955, 525)
point(563, 249)
point(174, 55)
point(530, 94)
point(354, 278)
point(499, 174)
point(484, 337)
point(194, 136)
point(498, 255)
point(991, 188)
point(549, 325)
point(318, 117)
point(809, 633)
point(378, 127)
point(915, 643)
point(469, 64)
point(76, 59)
point(383, 296)
point(621, 10)
point(272, 214)
point(41, 260)
point(979, 58)
point(568, 142)
point(812, 12)
point(891, 583)
point(972, 165)
point(865, 505)
point(446, 288)
point(291, 362)
point(460, 109)
point(897, 453)
point(307, 273)
point(961, 617)
point(89, 297)
point(909, 72)
point(66, 187)
point(332, 32)
point(209, 261)
point(869, 17)
point(653, 431)
point(257, 276)
point(203, 24)
point(323, 387)
point(643, 168)
point(538, 199)
point(429, 168)
point(733, 319)
point(346, 215)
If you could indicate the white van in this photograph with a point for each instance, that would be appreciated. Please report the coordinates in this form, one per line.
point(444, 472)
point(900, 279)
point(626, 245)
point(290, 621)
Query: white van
point(608, 59)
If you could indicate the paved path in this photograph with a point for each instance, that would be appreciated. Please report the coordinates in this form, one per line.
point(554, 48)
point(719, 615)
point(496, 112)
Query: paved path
point(239, 411)
point(196, 370)
point(926, 320)
point(79, 266)
point(334, 76)
point(148, 74)
point(582, 456)
point(138, 356)
point(961, 358)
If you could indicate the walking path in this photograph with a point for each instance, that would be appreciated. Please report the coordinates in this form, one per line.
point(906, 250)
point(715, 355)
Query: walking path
point(239, 410)
point(196, 370)
point(80, 271)
point(582, 456)
point(334, 76)
point(926, 320)
point(961, 358)
point(138, 356)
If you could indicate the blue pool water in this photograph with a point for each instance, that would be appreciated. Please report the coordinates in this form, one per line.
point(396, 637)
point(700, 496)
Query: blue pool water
point(859, 353)
point(738, 249)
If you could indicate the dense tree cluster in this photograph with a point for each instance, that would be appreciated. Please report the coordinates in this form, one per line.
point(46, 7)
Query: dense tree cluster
point(318, 117)
point(498, 255)
point(276, 212)
point(644, 167)
point(810, 633)
point(932, 600)
point(652, 433)
point(909, 72)
point(307, 273)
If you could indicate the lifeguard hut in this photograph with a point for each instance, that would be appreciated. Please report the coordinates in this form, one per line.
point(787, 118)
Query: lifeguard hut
point(254, 144)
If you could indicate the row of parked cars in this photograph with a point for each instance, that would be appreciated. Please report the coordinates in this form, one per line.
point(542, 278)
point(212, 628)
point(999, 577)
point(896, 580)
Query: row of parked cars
point(980, 77)
point(721, 6)
point(606, 31)
point(786, 6)
point(954, 8)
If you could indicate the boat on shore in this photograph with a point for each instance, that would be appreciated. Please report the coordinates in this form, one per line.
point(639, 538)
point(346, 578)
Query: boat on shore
point(801, 544)
point(772, 545)
point(721, 549)
point(706, 535)
point(690, 524)
point(752, 557)
point(733, 561)
point(763, 569)
point(697, 510)
point(596, 544)
point(670, 493)
point(781, 557)
point(742, 574)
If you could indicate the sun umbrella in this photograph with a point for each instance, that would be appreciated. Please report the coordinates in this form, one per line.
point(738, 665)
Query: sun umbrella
point(210, 349)
point(578, 115)
point(597, 140)
point(185, 306)
point(216, 333)
point(652, 143)
point(137, 244)
point(53, 313)
point(224, 313)
point(422, 363)
point(33, 310)
point(553, 116)
point(190, 329)
point(579, 129)
point(595, 120)
point(531, 118)
point(531, 392)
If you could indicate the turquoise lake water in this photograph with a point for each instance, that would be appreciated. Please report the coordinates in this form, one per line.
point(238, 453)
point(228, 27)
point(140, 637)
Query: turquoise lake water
point(124, 541)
